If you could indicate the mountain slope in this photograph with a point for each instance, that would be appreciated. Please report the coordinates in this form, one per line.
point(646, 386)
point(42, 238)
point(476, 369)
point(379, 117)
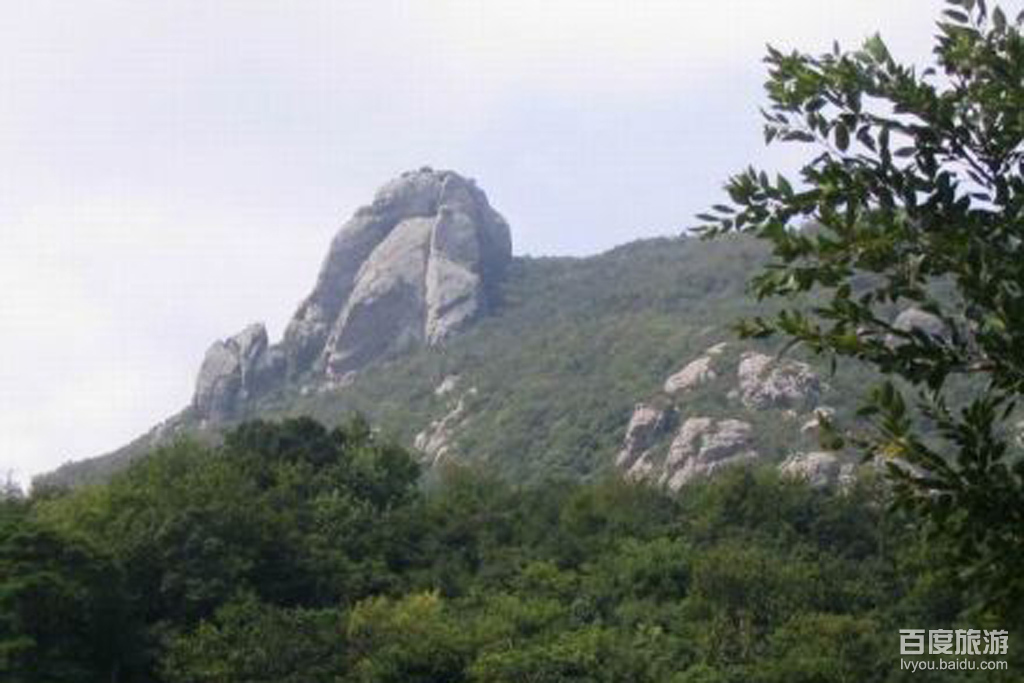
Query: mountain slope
point(546, 382)
point(547, 385)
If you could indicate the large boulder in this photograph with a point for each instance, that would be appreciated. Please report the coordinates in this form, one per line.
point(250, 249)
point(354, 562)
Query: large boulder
point(819, 469)
point(415, 266)
point(767, 382)
point(645, 426)
point(696, 373)
point(704, 445)
point(234, 370)
point(916, 320)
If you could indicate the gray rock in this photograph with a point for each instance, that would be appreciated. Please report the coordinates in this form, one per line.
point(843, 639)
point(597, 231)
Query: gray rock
point(818, 468)
point(704, 445)
point(693, 375)
point(766, 382)
point(915, 319)
point(447, 385)
point(437, 440)
point(697, 372)
point(230, 373)
point(415, 266)
point(818, 416)
point(387, 306)
point(645, 426)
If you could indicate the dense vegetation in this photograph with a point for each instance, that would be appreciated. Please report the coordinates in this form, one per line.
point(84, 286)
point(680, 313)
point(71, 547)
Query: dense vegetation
point(915, 181)
point(297, 553)
point(558, 368)
point(574, 346)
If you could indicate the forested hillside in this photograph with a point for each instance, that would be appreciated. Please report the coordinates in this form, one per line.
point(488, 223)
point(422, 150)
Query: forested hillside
point(548, 382)
point(459, 466)
point(297, 553)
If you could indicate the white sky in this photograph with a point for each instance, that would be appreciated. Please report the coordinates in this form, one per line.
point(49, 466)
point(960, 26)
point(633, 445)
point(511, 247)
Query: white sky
point(171, 171)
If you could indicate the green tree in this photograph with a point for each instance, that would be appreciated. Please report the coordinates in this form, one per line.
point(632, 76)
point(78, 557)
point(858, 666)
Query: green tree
point(825, 648)
point(297, 515)
point(62, 612)
point(407, 640)
point(250, 642)
point(587, 654)
point(915, 191)
point(741, 592)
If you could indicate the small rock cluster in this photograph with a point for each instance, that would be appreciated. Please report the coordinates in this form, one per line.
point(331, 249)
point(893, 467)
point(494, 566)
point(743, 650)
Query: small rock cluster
point(646, 426)
point(437, 440)
point(696, 373)
point(765, 382)
point(702, 445)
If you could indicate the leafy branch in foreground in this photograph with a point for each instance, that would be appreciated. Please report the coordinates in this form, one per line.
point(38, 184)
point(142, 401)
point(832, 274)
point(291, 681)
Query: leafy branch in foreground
point(913, 197)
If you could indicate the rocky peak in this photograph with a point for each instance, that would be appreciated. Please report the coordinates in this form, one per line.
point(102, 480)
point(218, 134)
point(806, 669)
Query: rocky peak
point(233, 370)
point(418, 264)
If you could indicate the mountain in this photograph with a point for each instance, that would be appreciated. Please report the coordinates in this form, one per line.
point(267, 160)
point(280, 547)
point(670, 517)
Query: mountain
point(423, 321)
point(414, 267)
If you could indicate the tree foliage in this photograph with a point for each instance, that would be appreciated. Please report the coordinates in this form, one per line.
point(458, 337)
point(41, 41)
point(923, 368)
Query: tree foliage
point(62, 604)
point(913, 196)
point(297, 553)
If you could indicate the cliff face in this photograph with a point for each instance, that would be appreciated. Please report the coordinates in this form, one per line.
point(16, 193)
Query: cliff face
point(416, 266)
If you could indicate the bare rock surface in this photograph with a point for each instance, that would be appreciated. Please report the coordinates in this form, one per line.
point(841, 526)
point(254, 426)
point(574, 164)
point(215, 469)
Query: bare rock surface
point(767, 401)
point(696, 373)
point(645, 426)
point(765, 382)
point(437, 440)
point(447, 385)
point(704, 445)
point(233, 369)
point(914, 319)
point(417, 265)
point(819, 469)
point(819, 415)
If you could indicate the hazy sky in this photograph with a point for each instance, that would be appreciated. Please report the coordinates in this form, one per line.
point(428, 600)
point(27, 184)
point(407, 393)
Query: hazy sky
point(171, 171)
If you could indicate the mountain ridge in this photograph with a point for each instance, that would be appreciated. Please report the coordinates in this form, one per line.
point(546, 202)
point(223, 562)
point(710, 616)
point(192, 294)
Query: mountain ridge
point(543, 379)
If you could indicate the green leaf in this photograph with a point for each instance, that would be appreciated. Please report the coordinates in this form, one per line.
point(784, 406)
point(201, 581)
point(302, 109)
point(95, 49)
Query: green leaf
point(784, 185)
point(798, 136)
point(999, 20)
point(876, 48)
point(842, 137)
point(954, 203)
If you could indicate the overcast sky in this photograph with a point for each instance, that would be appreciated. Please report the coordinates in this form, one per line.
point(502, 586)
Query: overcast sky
point(171, 171)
